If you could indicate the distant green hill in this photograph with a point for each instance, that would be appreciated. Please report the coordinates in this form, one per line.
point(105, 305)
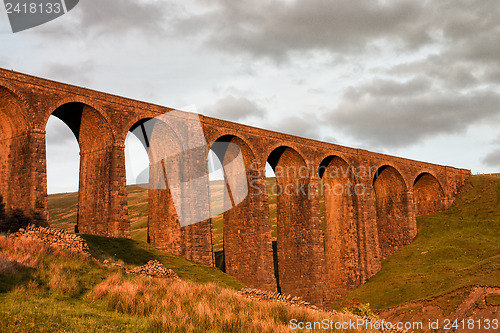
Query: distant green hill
point(62, 211)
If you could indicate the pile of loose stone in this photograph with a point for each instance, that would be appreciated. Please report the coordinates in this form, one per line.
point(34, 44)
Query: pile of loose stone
point(275, 297)
point(55, 238)
point(154, 268)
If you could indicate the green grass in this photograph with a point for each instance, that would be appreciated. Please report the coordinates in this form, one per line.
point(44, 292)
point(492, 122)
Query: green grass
point(43, 312)
point(454, 250)
point(62, 210)
point(49, 296)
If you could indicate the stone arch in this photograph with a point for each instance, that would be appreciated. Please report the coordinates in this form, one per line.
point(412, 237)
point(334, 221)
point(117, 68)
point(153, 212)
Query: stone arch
point(246, 236)
point(428, 194)
point(14, 114)
point(341, 229)
point(97, 192)
point(16, 155)
point(66, 102)
point(395, 219)
point(300, 251)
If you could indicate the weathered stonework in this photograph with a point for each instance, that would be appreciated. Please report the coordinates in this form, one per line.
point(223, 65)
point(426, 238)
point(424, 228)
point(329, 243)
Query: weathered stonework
point(361, 227)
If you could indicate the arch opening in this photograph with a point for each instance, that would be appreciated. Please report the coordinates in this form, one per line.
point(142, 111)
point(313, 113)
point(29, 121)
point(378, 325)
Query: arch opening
point(299, 235)
point(241, 236)
point(428, 194)
point(137, 167)
point(217, 185)
point(63, 165)
point(271, 192)
point(95, 140)
point(395, 222)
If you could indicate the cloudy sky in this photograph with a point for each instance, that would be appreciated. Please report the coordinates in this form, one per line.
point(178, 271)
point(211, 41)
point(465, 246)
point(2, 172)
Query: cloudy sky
point(412, 78)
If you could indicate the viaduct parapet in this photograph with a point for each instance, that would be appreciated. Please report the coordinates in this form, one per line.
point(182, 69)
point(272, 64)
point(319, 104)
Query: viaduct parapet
point(320, 263)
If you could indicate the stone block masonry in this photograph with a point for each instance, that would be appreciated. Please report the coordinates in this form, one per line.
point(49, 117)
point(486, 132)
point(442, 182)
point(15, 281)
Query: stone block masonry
point(371, 199)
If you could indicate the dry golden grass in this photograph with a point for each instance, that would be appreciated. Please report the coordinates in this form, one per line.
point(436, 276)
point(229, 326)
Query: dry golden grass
point(183, 306)
point(62, 280)
point(32, 272)
point(25, 252)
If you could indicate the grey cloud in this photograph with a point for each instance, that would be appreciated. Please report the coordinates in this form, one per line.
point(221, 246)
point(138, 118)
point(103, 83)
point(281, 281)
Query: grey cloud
point(493, 158)
point(466, 35)
point(330, 139)
point(234, 108)
point(389, 88)
point(79, 73)
point(403, 121)
point(444, 71)
point(467, 19)
point(274, 28)
point(119, 16)
point(301, 125)
point(95, 18)
point(463, 33)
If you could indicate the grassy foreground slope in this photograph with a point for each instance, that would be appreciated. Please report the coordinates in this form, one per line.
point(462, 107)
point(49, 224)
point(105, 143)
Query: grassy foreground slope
point(44, 289)
point(453, 251)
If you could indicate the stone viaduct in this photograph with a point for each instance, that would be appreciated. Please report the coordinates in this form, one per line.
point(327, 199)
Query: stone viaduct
point(362, 225)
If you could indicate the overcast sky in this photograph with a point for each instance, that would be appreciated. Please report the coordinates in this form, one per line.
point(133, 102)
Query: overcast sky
point(417, 79)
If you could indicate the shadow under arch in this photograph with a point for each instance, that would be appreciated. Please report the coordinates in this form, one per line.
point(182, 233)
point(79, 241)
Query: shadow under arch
point(246, 235)
point(97, 178)
point(428, 194)
point(300, 250)
point(342, 253)
point(396, 224)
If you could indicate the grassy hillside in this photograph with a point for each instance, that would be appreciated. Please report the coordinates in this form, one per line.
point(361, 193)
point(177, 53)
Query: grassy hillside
point(453, 251)
point(44, 289)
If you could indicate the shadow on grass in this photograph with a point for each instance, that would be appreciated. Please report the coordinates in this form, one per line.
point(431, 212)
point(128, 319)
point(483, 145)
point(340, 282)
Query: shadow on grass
point(14, 276)
point(128, 250)
point(136, 253)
